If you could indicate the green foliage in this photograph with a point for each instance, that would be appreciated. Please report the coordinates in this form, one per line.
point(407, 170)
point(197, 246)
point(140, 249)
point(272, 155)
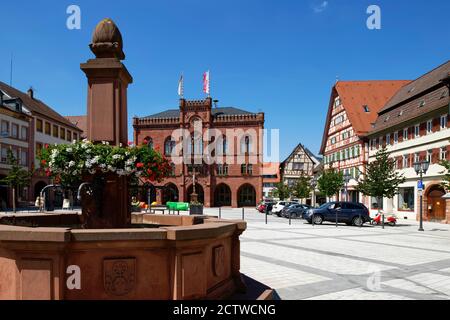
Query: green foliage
point(302, 189)
point(281, 191)
point(446, 179)
point(18, 176)
point(381, 180)
point(330, 182)
point(69, 162)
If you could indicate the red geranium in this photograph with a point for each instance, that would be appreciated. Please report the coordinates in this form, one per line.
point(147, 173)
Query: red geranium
point(139, 165)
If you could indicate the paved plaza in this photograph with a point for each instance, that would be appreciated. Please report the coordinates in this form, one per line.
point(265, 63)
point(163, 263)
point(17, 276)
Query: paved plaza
point(300, 261)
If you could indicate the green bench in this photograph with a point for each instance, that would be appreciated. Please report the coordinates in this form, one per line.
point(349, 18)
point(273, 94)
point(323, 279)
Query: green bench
point(177, 206)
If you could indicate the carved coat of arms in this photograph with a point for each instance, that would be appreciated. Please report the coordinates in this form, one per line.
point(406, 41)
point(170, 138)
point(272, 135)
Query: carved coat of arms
point(219, 261)
point(119, 276)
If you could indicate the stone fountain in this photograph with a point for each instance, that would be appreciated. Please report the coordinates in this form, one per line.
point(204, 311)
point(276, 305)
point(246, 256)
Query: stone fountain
point(106, 252)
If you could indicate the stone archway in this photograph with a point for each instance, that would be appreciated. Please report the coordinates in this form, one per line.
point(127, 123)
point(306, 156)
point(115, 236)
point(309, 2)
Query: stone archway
point(199, 190)
point(436, 206)
point(222, 195)
point(170, 193)
point(144, 192)
point(246, 196)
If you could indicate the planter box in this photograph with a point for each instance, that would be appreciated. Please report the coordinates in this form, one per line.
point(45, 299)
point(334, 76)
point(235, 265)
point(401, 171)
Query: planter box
point(195, 210)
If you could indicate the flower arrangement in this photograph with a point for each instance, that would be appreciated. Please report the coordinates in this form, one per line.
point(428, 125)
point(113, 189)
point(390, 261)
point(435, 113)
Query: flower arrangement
point(69, 162)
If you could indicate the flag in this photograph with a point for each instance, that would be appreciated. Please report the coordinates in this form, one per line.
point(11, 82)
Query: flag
point(181, 86)
point(206, 82)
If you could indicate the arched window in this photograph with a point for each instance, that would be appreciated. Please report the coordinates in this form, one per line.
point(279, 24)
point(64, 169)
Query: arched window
point(246, 145)
point(169, 146)
point(224, 146)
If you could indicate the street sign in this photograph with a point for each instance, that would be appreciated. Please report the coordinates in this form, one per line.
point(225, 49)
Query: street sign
point(420, 185)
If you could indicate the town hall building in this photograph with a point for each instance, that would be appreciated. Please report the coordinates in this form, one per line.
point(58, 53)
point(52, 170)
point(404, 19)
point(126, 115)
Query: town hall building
point(234, 178)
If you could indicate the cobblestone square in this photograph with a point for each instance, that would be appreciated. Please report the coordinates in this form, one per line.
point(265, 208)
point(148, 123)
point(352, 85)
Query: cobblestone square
point(301, 261)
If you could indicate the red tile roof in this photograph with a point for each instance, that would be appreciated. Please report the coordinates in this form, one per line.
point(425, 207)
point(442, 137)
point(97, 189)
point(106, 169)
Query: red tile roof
point(35, 105)
point(355, 95)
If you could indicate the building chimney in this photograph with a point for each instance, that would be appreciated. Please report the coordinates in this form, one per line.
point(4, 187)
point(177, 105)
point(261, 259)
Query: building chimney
point(31, 93)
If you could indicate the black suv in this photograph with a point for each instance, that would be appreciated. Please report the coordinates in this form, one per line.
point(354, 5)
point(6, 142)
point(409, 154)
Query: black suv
point(350, 213)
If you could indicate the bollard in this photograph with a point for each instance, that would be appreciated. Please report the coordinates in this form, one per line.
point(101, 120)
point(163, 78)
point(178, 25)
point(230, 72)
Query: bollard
point(336, 219)
point(220, 213)
point(312, 219)
point(267, 213)
point(243, 214)
point(290, 217)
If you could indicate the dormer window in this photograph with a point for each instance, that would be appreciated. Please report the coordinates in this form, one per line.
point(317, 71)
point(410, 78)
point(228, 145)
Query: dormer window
point(422, 104)
point(443, 94)
point(400, 113)
point(366, 108)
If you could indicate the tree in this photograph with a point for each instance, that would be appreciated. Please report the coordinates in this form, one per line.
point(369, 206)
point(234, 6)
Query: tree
point(281, 191)
point(302, 189)
point(18, 177)
point(330, 182)
point(381, 179)
point(446, 179)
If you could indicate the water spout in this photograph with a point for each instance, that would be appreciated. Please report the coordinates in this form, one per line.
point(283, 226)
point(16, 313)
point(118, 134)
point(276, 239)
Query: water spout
point(80, 188)
point(41, 195)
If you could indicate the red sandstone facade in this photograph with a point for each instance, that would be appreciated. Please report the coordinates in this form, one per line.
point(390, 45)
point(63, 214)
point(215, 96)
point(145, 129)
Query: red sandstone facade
point(237, 183)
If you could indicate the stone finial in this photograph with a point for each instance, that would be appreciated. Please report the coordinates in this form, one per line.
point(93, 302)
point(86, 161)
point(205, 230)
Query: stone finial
point(107, 40)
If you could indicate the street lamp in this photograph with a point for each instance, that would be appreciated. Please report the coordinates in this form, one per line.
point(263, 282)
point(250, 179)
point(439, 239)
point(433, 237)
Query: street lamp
point(347, 178)
point(421, 169)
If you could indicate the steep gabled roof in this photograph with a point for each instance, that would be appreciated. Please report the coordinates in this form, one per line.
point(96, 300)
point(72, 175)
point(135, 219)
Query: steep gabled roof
point(354, 96)
point(313, 158)
point(36, 106)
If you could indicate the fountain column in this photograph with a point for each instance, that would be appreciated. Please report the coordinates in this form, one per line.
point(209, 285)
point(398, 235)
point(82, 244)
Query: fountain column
point(107, 121)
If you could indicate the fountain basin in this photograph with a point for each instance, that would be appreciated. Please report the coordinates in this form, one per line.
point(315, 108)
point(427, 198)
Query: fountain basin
point(175, 258)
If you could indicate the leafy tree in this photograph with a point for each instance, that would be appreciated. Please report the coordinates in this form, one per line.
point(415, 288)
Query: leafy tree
point(330, 182)
point(302, 189)
point(281, 191)
point(446, 179)
point(381, 180)
point(18, 177)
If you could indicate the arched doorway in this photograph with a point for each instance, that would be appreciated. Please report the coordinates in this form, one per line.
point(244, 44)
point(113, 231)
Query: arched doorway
point(198, 190)
point(435, 203)
point(144, 193)
point(222, 195)
point(170, 193)
point(38, 188)
point(246, 196)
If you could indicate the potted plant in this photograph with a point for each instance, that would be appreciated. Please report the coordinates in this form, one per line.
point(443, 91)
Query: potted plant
point(195, 208)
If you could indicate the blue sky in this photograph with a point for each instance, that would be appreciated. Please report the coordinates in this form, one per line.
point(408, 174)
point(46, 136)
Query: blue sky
point(276, 56)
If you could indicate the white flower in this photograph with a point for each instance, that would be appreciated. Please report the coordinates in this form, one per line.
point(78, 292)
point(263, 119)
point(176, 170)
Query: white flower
point(69, 150)
point(117, 156)
point(71, 164)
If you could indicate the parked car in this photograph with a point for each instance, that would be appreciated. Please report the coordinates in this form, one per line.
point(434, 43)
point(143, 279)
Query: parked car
point(280, 205)
point(295, 211)
point(350, 213)
point(263, 205)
